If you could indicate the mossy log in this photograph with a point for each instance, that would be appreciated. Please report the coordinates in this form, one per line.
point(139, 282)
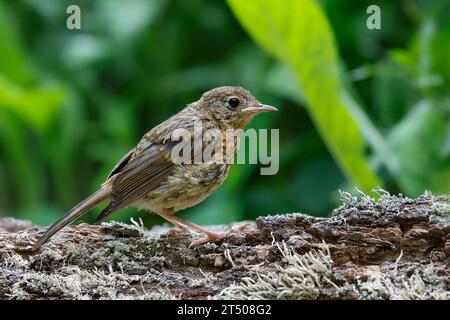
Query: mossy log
point(393, 248)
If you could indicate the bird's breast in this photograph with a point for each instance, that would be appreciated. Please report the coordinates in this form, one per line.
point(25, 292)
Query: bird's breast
point(188, 185)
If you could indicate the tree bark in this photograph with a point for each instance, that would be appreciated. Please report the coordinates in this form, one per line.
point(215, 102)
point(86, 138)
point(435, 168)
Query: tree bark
point(393, 248)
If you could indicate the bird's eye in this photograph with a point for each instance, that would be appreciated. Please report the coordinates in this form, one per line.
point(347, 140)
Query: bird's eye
point(234, 102)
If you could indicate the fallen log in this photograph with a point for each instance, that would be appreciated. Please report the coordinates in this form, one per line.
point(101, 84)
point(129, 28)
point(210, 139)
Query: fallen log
point(393, 248)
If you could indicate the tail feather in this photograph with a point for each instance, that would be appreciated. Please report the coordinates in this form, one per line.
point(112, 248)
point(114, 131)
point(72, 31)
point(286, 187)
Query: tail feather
point(74, 213)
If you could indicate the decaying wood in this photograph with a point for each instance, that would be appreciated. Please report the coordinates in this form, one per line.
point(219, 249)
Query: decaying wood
point(393, 248)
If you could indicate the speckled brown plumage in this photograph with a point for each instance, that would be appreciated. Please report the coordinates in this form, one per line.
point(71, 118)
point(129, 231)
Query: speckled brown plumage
point(149, 177)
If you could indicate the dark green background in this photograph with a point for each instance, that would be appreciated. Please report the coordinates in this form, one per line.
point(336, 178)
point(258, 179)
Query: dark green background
point(73, 102)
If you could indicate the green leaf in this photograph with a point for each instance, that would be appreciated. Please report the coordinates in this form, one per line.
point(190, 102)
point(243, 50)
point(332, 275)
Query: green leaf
point(299, 34)
point(35, 106)
point(12, 56)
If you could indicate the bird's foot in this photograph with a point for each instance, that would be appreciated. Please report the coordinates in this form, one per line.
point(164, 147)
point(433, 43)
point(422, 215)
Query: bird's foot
point(213, 236)
point(209, 238)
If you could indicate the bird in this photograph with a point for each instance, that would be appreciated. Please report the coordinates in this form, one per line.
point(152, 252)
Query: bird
point(161, 173)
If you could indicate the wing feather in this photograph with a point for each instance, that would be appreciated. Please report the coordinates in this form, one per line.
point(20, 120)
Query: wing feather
point(147, 167)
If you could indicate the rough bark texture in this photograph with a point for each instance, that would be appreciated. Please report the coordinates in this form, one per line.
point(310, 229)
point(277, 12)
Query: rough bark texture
point(393, 248)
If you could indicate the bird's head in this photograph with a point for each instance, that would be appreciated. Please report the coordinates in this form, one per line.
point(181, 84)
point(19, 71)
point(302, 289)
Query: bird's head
point(231, 107)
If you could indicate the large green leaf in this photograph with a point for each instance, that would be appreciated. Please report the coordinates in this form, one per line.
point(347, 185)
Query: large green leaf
point(297, 32)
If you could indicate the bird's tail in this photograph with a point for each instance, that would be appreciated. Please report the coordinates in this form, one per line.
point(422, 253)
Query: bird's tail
point(74, 213)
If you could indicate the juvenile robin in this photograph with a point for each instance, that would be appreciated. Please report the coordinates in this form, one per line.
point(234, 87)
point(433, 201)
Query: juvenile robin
point(151, 176)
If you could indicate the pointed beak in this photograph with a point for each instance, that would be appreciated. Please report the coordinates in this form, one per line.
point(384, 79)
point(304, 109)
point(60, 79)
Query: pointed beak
point(260, 108)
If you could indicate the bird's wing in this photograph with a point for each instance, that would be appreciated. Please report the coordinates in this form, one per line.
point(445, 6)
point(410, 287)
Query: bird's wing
point(139, 172)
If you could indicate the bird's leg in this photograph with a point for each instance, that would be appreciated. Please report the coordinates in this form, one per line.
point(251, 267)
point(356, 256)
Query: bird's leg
point(210, 236)
point(183, 224)
point(168, 215)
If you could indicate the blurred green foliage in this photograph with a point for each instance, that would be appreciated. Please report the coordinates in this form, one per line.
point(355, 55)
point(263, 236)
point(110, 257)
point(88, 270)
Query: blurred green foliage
point(357, 106)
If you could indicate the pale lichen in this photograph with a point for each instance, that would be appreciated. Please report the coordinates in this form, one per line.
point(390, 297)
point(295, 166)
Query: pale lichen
point(300, 278)
point(401, 287)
